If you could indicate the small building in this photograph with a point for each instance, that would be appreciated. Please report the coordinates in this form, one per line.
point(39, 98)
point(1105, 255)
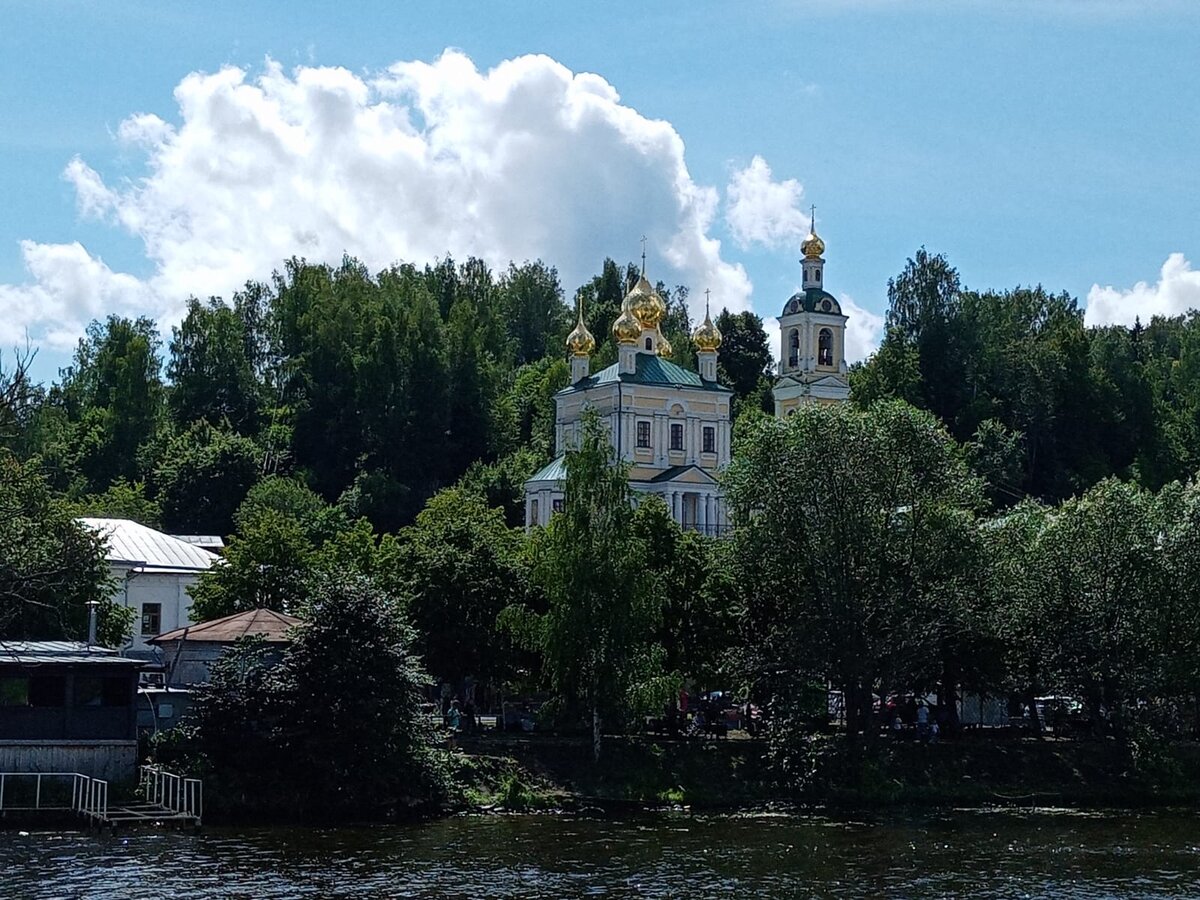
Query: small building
point(67, 707)
point(190, 652)
point(153, 573)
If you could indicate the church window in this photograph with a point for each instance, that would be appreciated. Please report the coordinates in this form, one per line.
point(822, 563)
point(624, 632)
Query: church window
point(643, 435)
point(649, 344)
point(793, 348)
point(533, 512)
point(557, 505)
point(710, 439)
point(676, 435)
point(825, 347)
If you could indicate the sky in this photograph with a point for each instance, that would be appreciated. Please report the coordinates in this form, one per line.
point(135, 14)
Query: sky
point(151, 150)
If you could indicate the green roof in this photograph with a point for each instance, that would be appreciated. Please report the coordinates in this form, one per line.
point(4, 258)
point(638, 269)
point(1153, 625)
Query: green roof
point(812, 300)
point(650, 370)
point(555, 470)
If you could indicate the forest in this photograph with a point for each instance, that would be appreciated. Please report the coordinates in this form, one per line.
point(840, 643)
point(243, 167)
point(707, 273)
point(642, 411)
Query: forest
point(1006, 505)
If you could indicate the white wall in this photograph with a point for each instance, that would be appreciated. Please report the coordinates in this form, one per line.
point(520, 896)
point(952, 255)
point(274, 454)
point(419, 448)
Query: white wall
point(168, 590)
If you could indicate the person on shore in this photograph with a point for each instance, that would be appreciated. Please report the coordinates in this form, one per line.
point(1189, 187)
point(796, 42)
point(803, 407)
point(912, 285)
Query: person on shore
point(922, 720)
point(453, 716)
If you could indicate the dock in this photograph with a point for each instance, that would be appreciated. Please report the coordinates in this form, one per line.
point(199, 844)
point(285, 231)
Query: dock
point(162, 799)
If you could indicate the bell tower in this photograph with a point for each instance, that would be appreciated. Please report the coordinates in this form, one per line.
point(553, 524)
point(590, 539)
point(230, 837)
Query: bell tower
point(812, 335)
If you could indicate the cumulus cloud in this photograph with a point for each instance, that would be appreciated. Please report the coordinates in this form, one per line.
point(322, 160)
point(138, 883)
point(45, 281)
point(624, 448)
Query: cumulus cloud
point(1176, 292)
point(760, 210)
point(526, 160)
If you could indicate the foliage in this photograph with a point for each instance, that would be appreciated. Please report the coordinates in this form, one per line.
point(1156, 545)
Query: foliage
point(202, 476)
point(334, 730)
point(51, 565)
point(854, 544)
point(600, 608)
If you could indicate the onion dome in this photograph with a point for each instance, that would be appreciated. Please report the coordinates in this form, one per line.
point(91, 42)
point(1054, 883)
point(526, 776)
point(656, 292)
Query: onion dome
point(707, 337)
point(645, 304)
point(626, 329)
point(813, 246)
point(664, 346)
point(580, 341)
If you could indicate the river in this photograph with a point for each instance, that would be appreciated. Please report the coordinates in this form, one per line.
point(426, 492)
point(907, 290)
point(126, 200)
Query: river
point(977, 853)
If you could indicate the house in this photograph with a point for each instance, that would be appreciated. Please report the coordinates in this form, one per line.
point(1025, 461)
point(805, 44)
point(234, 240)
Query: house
point(190, 652)
point(67, 707)
point(153, 572)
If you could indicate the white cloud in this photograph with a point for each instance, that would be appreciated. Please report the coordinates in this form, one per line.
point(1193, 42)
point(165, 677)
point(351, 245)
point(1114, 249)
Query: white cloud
point(69, 288)
point(864, 330)
point(1177, 292)
point(760, 210)
point(525, 160)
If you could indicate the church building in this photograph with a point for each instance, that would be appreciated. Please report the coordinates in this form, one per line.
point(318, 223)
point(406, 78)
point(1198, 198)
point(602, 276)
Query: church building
point(670, 425)
point(673, 426)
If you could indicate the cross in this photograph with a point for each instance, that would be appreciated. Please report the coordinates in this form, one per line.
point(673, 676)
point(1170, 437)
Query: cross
point(812, 225)
point(706, 293)
point(643, 254)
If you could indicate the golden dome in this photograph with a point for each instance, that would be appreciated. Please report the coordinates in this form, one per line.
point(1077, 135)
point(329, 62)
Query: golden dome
point(580, 341)
point(645, 304)
point(626, 329)
point(813, 246)
point(707, 337)
point(664, 346)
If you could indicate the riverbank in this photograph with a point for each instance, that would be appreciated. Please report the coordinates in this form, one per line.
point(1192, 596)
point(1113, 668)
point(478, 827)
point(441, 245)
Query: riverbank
point(547, 771)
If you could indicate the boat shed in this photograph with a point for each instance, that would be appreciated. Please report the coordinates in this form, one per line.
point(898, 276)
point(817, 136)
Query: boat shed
point(68, 707)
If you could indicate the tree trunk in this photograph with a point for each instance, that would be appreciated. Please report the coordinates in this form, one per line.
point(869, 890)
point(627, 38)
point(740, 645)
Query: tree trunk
point(595, 731)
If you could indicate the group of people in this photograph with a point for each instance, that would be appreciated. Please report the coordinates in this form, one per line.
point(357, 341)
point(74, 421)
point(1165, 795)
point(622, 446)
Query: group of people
point(914, 714)
point(458, 717)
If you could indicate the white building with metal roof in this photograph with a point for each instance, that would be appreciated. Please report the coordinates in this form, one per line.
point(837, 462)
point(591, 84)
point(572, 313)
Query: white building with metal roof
point(153, 572)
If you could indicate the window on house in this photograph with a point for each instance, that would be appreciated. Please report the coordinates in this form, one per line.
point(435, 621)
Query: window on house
point(533, 512)
point(710, 439)
point(557, 505)
point(816, 274)
point(825, 347)
point(151, 618)
point(14, 691)
point(643, 435)
point(48, 690)
point(793, 348)
point(649, 344)
point(676, 435)
point(101, 692)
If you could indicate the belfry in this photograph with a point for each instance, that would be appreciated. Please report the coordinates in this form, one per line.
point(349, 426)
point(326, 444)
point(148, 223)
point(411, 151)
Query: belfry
point(812, 334)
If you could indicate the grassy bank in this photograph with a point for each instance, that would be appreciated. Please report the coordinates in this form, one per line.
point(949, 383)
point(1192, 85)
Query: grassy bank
point(555, 772)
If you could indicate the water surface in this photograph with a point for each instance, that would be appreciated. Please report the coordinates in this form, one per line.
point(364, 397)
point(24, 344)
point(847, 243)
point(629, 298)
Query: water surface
point(976, 853)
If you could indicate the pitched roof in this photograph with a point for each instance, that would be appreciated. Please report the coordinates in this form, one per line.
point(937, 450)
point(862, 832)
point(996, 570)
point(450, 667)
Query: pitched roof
point(675, 471)
point(555, 470)
point(273, 626)
point(148, 550)
point(650, 369)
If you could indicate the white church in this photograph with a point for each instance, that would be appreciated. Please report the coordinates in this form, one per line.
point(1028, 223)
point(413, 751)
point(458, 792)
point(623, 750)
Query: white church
point(672, 426)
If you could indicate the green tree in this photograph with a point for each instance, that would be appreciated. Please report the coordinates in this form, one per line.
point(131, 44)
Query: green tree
point(203, 476)
point(586, 561)
point(745, 363)
point(461, 566)
point(850, 528)
point(51, 565)
point(212, 369)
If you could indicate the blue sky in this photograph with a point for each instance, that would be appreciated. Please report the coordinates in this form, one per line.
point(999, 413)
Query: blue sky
point(1053, 142)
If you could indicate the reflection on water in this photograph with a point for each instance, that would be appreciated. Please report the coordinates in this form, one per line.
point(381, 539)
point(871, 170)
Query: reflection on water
point(984, 854)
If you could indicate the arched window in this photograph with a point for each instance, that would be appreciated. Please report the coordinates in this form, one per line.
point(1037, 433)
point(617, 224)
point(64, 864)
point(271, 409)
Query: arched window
point(825, 348)
point(649, 344)
point(533, 512)
point(793, 348)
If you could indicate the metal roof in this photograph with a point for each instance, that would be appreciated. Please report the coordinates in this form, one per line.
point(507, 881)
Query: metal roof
point(29, 653)
point(555, 470)
point(650, 369)
point(271, 625)
point(146, 549)
point(206, 541)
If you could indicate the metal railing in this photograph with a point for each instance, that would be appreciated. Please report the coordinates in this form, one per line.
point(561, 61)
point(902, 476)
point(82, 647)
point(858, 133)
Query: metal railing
point(177, 793)
point(88, 796)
